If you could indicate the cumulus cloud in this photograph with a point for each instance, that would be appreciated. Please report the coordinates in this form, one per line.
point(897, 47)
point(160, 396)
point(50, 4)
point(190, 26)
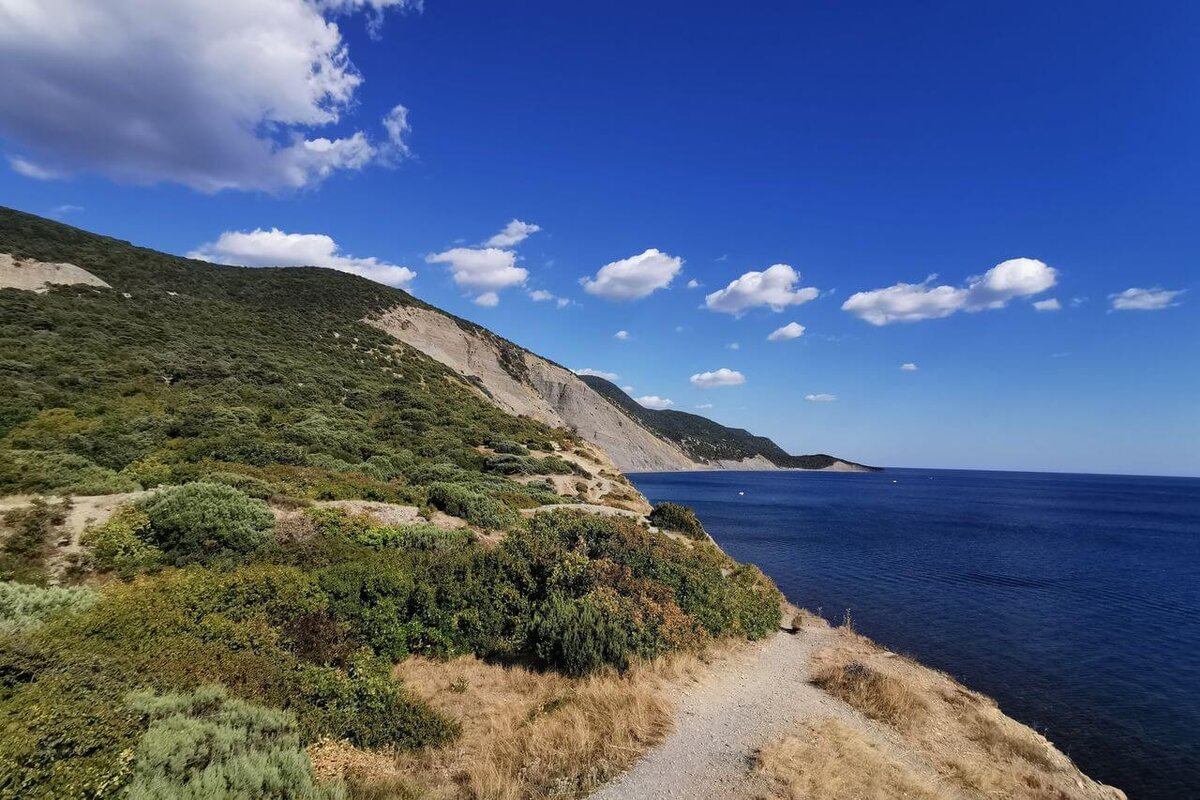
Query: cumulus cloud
point(820, 398)
point(1154, 299)
point(909, 367)
point(911, 302)
point(493, 267)
point(655, 402)
point(621, 335)
point(485, 270)
point(514, 232)
point(599, 373)
point(635, 277)
point(1049, 304)
point(694, 284)
point(627, 389)
point(275, 248)
point(718, 378)
point(774, 287)
point(212, 95)
point(793, 330)
point(543, 296)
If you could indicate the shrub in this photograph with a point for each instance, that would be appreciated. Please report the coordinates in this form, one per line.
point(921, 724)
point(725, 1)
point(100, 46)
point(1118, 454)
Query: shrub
point(206, 744)
point(22, 554)
point(575, 637)
point(243, 483)
point(149, 471)
point(509, 448)
point(676, 517)
point(204, 521)
point(120, 545)
point(475, 507)
point(24, 607)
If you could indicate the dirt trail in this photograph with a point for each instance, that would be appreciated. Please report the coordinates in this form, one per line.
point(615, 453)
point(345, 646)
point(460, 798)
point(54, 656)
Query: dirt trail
point(721, 721)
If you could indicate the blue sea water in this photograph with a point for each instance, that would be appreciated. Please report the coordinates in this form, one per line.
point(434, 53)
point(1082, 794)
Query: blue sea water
point(1071, 599)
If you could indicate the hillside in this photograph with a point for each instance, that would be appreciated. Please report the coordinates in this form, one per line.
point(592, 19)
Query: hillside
point(287, 533)
point(709, 442)
point(229, 507)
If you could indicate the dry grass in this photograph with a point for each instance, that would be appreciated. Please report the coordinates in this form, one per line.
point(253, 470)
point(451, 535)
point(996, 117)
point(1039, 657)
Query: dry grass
point(885, 697)
point(526, 734)
point(961, 734)
point(828, 760)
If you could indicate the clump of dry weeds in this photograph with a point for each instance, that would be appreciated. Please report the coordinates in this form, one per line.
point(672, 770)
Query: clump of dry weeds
point(887, 698)
point(526, 734)
point(828, 760)
point(961, 734)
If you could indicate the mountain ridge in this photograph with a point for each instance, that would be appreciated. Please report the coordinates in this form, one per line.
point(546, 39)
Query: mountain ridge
point(708, 442)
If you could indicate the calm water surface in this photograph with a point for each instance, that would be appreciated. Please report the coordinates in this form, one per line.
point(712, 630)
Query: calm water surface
point(1071, 599)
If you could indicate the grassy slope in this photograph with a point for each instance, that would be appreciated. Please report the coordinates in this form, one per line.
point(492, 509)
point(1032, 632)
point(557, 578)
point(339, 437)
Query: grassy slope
point(703, 439)
point(264, 369)
point(267, 380)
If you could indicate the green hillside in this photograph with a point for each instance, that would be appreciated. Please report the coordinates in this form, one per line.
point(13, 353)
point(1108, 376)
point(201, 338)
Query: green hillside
point(705, 440)
point(194, 643)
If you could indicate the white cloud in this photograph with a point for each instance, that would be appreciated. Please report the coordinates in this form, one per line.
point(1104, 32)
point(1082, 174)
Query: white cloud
point(820, 398)
point(635, 277)
point(397, 126)
point(1049, 304)
point(793, 330)
point(774, 287)
point(655, 402)
point(734, 346)
point(694, 284)
point(514, 232)
point(1154, 299)
point(212, 95)
point(27, 168)
point(621, 335)
point(705, 405)
point(275, 248)
point(485, 270)
point(599, 373)
point(58, 212)
point(543, 296)
point(718, 378)
point(908, 367)
point(627, 389)
point(487, 300)
point(910, 302)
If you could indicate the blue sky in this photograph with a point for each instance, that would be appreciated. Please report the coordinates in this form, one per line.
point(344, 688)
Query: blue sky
point(864, 145)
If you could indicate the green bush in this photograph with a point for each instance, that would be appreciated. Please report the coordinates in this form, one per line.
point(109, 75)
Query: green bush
point(206, 744)
point(148, 471)
point(120, 545)
point(577, 638)
point(475, 507)
point(24, 607)
point(509, 448)
point(206, 521)
point(676, 517)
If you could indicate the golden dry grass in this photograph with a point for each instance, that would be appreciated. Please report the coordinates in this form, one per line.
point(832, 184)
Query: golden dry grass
point(828, 760)
point(526, 734)
point(961, 734)
point(879, 695)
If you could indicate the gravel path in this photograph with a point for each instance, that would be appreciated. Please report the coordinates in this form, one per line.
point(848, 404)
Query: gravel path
point(723, 719)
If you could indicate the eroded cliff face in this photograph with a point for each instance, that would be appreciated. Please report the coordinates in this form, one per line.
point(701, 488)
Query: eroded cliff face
point(522, 383)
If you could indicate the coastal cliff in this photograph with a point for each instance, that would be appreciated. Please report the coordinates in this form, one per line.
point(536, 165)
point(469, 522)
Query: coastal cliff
point(381, 552)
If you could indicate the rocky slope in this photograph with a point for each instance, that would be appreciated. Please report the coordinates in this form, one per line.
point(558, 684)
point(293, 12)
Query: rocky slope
point(635, 438)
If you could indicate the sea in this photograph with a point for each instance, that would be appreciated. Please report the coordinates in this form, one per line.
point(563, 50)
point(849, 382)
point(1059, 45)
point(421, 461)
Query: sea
point(1073, 600)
